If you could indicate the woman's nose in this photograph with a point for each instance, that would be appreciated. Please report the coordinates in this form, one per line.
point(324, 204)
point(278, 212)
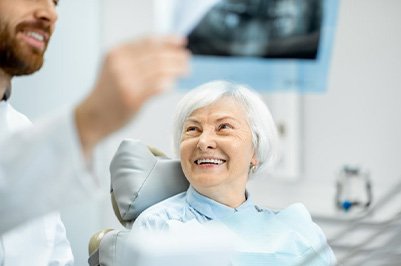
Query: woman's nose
point(206, 141)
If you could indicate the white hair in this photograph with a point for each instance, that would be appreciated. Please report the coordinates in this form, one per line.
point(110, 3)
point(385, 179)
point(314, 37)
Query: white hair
point(260, 121)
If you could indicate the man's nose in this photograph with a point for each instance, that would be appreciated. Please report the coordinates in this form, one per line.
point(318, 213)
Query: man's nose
point(46, 11)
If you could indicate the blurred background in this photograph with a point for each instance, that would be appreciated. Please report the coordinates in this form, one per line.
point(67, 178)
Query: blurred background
point(355, 121)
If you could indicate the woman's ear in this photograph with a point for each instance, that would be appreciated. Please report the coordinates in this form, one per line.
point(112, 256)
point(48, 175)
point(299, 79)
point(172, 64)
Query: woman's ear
point(254, 160)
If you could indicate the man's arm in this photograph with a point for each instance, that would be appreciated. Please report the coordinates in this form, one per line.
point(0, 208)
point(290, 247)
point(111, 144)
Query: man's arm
point(45, 167)
point(131, 74)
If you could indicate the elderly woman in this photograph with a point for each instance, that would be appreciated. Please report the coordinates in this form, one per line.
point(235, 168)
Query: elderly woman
point(224, 134)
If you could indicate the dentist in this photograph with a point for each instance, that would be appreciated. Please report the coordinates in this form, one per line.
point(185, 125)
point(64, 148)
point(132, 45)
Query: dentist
point(46, 166)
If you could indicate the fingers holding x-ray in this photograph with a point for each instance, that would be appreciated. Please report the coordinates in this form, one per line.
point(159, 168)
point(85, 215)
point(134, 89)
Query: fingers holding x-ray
point(131, 73)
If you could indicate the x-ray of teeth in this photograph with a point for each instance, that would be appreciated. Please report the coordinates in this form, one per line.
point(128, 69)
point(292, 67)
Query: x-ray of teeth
point(264, 28)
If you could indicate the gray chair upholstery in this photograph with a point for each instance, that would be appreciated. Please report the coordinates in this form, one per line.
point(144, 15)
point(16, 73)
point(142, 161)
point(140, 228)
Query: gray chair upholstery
point(140, 177)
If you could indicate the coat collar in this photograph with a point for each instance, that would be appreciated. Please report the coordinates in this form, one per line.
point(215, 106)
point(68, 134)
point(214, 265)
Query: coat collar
point(213, 209)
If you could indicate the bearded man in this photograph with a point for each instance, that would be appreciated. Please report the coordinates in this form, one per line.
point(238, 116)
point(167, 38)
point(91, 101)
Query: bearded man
point(45, 166)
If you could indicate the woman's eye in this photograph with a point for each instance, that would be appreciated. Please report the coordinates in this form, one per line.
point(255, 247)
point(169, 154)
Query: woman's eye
point(225, 126)
point(55, 2)
point(190, 129)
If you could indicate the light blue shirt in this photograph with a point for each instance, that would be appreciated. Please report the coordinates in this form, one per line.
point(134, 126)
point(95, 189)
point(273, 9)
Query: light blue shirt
point(266, 237)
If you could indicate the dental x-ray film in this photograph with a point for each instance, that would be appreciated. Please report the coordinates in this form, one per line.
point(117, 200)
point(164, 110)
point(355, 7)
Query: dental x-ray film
point(268, 44)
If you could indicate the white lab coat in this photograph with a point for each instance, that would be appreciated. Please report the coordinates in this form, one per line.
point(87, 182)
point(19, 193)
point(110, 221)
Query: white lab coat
point(41, 241)
point(41, 169)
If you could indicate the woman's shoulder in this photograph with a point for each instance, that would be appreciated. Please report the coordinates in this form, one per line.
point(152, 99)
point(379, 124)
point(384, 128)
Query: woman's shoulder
point(295, 211)
point(295, 218)
point(292, 212)
point(156, 216)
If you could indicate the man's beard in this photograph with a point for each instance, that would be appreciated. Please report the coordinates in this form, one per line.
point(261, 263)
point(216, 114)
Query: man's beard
point(17, 59)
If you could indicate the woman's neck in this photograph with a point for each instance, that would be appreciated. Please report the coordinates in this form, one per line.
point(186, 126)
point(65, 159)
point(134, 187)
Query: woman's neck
point(230, 197)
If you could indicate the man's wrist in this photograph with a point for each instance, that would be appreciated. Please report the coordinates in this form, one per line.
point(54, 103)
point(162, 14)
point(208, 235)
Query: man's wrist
point(87, 133)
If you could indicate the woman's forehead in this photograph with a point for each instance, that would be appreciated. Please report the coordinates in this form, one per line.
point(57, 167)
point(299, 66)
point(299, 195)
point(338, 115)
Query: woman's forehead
point(226, 107)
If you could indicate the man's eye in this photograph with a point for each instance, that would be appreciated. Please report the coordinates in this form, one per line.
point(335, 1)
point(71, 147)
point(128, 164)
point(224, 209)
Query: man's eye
point(56, 2)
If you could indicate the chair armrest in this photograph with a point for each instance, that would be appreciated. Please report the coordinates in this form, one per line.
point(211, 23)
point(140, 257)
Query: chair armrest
point(93, 247)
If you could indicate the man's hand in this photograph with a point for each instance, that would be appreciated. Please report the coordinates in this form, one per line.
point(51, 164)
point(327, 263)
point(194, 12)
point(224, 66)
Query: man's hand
point(130, 75)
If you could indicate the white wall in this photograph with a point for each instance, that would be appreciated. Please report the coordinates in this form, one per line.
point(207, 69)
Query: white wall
point(357, 120)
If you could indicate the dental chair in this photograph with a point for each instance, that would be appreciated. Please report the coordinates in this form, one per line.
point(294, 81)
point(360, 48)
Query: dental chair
point(140, 177)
